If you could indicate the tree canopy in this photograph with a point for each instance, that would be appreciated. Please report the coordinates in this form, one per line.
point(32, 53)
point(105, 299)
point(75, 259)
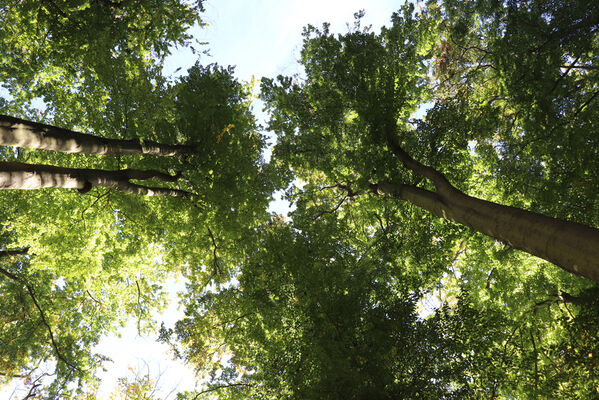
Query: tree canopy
point(444, 242)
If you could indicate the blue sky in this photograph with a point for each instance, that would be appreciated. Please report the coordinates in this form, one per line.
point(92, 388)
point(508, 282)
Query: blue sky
point(261, 38)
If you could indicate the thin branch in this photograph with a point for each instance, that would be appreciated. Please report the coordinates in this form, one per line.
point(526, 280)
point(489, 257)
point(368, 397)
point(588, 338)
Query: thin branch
point(14, 376)
point(212, 389)
point(32, 392)
point(534, 346)
point(9, 275)
point(91, 205)
point(383, 228)
point(93, 298)
point(320, 214)
point(589, 67)
point(14, 252)
point(42, 315)
point(138, 307)
point(217, 269)
point(45, 322)
point(586, 103)
point(566, 72)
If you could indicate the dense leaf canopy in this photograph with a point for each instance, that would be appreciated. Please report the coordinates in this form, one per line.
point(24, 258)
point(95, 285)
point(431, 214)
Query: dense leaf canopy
point(384, 281)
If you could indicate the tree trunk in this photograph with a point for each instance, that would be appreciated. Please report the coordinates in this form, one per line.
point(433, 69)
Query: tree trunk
point(573, 247)
point(16, 175)
point(33, 135)
point(569, 245)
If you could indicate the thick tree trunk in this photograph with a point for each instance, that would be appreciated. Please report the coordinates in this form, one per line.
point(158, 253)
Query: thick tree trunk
point(16, 175)
point(28, 134)
point(569, 245)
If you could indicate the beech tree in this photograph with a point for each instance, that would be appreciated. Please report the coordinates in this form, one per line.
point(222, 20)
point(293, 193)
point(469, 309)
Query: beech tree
point(439, 170)
point(105, 249)
point(347, 125)
point(392, 138)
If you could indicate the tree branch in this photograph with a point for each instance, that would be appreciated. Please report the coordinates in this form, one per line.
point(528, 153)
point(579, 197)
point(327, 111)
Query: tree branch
point(217, 269)
point(45, 322)
point(214, 388)
point(438, 179)
point(320, 214)
point(42, 315)
point(14, 252)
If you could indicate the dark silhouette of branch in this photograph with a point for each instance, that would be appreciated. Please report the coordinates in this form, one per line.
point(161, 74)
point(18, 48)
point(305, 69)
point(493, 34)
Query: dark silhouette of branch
point(214, 388)
point(586, 103)
point(9, 275)
point(566, 72)
point(14, 252)
point(320, 214)
point(139, 307)
point(94, 203)
point(32, 391)
point(217, 269)
point(589, 67)
point(45, 322)
point(93, 298)
point(42, 315)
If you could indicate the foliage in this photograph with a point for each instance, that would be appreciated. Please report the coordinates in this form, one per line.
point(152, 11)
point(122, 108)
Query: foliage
point(312, 317)
point(50, 325)
point(499, 97)
point(446, 80)
point(111, 250)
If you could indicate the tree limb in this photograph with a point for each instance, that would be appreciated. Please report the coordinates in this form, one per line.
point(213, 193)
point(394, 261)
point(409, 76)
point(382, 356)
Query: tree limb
point(14, 252)
point(214, 388)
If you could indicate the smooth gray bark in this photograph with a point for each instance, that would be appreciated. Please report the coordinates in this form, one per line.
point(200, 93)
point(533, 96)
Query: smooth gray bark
point(16, 175)
point(33, 135)
point(572, 246)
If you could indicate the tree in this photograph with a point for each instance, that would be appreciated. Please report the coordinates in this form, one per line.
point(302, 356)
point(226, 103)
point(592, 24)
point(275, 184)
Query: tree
point(53, 43)
point(50, 325)
point(119, 247)
point(312, 316)
point(112, 248)
point(356, 104)
point(507, 325)
point(389, 139)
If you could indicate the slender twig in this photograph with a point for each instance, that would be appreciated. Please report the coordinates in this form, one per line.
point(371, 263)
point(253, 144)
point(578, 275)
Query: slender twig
point(217, 269)
point(586, 103)
point(579, 66)
point(9, 275)
point(320, 214)
point(14, 252)
point(139, 308)
point(94, 203)
point(93, 298)
point(566, 72)
point(42, 315)
point(534, 346)
point(212, 389)
point(32, 391)
point(45, 322)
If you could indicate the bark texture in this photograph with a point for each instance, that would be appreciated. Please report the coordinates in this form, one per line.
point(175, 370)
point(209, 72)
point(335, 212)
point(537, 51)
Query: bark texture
point(569, 245)
point(33, 135)
point(16, 175)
